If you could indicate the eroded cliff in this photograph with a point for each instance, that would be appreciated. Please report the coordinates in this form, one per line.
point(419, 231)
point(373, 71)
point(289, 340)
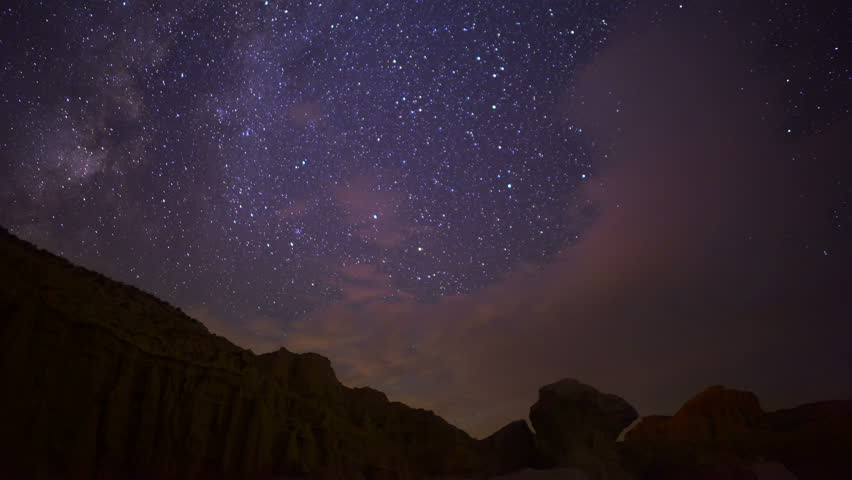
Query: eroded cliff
point(103, 380)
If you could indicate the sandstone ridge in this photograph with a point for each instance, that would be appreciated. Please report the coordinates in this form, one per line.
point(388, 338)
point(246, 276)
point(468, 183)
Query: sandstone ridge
point(103, 380)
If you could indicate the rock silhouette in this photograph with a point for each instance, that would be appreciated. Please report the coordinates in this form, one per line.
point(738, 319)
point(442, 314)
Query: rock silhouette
point(577, 426)
point(716, 414)
point(722, 433)
point(510, 448)
point(101, 380)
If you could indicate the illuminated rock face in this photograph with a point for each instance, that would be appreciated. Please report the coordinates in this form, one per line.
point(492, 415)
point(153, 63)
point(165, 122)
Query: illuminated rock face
point(101, 379)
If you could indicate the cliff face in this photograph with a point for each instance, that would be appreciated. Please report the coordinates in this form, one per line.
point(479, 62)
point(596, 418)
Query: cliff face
point(101, 379)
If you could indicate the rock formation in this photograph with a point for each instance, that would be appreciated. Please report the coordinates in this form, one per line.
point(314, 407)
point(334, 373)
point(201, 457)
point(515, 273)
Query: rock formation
point(813, 440)
point(577, 426)
point(716, 414)
point(102, 380)
point(722, 432)
point(508, 449)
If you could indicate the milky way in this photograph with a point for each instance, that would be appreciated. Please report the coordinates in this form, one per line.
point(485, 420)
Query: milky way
point(239, 155)
point(457, 201)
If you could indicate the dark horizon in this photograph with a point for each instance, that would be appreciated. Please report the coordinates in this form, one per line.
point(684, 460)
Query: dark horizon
point(458, 205)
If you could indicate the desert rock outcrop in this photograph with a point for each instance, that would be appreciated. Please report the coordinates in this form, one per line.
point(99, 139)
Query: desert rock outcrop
point(508, 449)
point(722, 432)
point(102, 380)
point(577, 426)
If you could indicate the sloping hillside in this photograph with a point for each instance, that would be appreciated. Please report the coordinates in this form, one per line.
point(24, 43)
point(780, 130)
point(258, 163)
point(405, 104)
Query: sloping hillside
point(101, 379)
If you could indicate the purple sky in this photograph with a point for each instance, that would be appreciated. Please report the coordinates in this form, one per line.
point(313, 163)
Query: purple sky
point(458, 205)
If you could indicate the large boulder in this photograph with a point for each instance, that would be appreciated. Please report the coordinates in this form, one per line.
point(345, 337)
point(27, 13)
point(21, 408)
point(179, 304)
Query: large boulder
point(726, 433)
point(577, 426)
point(509, 449)
point(716, 414)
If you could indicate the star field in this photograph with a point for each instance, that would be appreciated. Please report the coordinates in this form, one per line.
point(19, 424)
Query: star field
point(457, 201)
point(241, 154)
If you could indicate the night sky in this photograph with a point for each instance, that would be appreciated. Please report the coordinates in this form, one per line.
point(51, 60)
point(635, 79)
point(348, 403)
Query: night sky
point(456, 201)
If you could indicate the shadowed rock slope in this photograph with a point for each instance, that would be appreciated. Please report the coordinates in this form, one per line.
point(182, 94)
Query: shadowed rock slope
point(101, 380)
